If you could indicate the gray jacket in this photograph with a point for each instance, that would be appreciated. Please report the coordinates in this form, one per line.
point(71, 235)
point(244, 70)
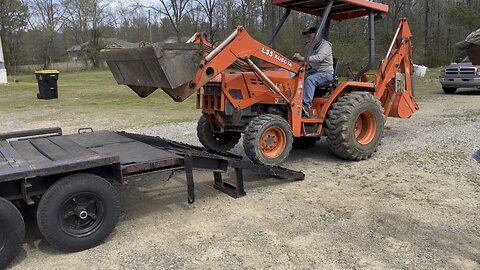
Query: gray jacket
point(321, 59)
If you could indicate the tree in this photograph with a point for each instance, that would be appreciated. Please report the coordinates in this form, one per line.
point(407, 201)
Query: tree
point(13, 21)
point(462, 15)
point(48, 16)
point(85, 19)
point(135, 24)
point(175, 11)
point(436, 26)
point(209, 7)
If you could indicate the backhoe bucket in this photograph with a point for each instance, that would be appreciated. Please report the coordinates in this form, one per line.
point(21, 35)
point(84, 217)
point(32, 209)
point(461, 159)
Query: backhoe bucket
point(169, 66)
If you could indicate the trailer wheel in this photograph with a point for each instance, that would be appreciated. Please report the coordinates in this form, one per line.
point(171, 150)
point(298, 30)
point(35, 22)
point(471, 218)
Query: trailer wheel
point(78, 212)
point(216, 141)
point(12, 232)
point(449, 90)
point(268, 139)
point(355, 126)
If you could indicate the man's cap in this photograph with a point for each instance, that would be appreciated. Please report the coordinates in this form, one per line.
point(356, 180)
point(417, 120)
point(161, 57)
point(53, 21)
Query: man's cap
point(311, 30)
point(472, 39)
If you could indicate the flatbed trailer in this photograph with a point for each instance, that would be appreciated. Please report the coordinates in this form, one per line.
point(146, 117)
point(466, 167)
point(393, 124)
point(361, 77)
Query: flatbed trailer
point(70, 178)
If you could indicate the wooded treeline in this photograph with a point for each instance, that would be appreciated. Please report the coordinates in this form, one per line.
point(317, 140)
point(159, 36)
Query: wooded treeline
point(41, 31)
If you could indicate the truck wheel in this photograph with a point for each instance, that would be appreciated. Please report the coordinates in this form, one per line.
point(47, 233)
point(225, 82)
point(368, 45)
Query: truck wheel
point(354, 126)
point(449, 90)
point(222, 142)
point(78, 212)
point(268, 139)
point(304, 142)
point(12, 232)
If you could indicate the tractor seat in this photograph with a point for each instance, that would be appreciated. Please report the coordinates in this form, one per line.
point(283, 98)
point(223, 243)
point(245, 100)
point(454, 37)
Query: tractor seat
point(327, 87)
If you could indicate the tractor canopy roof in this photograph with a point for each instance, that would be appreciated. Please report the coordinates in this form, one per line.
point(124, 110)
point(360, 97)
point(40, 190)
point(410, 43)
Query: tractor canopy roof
point(341, 9)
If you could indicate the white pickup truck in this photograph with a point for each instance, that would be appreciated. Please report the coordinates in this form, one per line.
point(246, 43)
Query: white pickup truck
point(460, 75)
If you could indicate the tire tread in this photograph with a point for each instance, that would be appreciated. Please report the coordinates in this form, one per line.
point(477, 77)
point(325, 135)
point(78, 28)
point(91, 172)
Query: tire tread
point(338, 121)
point(49, 198)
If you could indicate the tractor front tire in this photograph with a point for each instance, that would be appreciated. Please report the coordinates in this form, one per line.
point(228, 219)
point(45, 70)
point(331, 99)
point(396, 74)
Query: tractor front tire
point(268, 139)
point(222, 142)
point(354, 126)
point(78, 212)
point(12, 232)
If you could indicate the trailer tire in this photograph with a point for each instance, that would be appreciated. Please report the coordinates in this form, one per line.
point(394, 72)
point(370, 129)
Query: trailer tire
point(222, 142)
point(268, 139)
point(12, 232)
point(354, 126)
point(78, 212)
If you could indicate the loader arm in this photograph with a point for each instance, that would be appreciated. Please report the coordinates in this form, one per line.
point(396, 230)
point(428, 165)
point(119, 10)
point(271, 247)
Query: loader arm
point(393, 80)
point(238, 47)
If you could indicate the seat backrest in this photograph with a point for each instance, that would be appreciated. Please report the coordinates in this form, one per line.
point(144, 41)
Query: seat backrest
point(336, 65)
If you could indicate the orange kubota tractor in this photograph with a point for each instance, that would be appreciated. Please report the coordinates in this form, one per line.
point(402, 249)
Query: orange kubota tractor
point(265, 104)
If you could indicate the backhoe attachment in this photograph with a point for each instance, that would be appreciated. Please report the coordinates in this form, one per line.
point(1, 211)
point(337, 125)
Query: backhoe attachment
point(393, 82)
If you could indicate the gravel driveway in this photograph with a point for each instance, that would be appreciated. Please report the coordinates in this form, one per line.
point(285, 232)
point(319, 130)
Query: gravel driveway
point(414, 205)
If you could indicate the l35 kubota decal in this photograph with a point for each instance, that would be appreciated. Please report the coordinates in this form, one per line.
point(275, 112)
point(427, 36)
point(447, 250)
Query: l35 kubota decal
point(277, 57)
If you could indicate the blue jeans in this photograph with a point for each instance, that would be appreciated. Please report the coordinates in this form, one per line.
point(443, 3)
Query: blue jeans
point(312, 81)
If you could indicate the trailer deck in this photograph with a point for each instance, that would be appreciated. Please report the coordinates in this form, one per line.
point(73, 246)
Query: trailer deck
point(28, 157)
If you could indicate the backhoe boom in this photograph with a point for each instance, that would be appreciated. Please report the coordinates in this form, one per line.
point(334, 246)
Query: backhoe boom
point(393, 80)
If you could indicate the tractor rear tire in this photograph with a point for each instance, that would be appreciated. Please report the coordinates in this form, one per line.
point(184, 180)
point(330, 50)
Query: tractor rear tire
point(354, 126)
point(12, 232)
point(78, 212)
point(222, 142)
point(268, 139)
point(449, 90)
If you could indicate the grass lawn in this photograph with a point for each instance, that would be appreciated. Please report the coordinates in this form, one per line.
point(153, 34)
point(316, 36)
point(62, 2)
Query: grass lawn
point(93, 99)
point(90, 99)
point(429, 86)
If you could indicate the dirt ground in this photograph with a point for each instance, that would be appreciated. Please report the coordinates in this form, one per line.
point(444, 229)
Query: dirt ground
point(414, 205)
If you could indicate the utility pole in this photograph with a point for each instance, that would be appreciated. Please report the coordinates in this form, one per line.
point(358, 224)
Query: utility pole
point(3, 71)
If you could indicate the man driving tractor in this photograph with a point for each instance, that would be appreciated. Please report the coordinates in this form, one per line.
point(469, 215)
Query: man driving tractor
point(320, 68)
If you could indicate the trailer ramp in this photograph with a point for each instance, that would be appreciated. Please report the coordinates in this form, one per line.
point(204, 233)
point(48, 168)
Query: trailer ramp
point(201, 158)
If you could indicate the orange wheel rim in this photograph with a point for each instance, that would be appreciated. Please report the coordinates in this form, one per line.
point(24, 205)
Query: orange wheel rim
point(365, 128)
point(273, 142)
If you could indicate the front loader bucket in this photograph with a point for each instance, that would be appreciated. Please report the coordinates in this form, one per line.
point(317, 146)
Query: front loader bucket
point(169, 66)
